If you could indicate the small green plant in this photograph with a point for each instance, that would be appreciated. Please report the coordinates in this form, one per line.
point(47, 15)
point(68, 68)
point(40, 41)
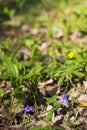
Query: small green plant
point(33, 76)
point(71, 66)
point(20, 76)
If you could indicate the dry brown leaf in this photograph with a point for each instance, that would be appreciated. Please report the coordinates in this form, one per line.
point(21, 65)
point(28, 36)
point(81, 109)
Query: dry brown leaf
point(59, 34)
point(85, 85)
point(43, 47)
point(42, 84)
point(75, 34)
point(82, 98)
point(14, 22)
point(74, 93)
point(52, 90)
point(34, 31)
point(17, 127)
point(25, 54)
point(25, 28)
point(49, 90)
point(57, 119)
point(41, 122)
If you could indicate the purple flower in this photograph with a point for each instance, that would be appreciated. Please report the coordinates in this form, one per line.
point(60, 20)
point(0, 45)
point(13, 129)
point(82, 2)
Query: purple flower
point(29, 109)
point(63, 98)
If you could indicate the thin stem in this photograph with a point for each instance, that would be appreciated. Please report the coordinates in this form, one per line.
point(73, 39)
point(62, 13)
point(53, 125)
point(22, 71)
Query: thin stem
point(35, 104)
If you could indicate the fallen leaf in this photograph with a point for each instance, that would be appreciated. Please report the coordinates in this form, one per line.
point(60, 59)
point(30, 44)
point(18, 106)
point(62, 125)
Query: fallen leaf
point(57, 119)
point(75, 34)
point(25, 28)
point(83, 104)
point(42, 84)
point(82, 100)
point(49, 90)
point(25, 54)
point(59, 34)
point(74, 92)
point(41, 122)
point(85, 85)
point(17, 127)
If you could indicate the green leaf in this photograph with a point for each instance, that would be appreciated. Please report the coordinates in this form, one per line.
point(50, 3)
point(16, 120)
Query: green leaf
point(61, 79)
point(53, 100)
point(57, 73)
point(73, 124)
point(18, 94)
point(77, 73)
point(49, 115)
point(1, 92)
point(57, 127)
point(11, 67)
point(34, 71)
point(7, 101)
point(6, 48)
point(29, 42)
point(4, 76)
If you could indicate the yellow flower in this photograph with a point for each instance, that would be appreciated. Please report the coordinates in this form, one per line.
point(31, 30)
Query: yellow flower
point(71, 54)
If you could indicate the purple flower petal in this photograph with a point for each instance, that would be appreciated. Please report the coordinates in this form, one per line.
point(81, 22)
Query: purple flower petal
point(63, 98)
point(29, 109)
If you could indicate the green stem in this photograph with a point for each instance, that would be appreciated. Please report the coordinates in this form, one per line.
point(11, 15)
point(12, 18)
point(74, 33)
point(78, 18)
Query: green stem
point(35, 104)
